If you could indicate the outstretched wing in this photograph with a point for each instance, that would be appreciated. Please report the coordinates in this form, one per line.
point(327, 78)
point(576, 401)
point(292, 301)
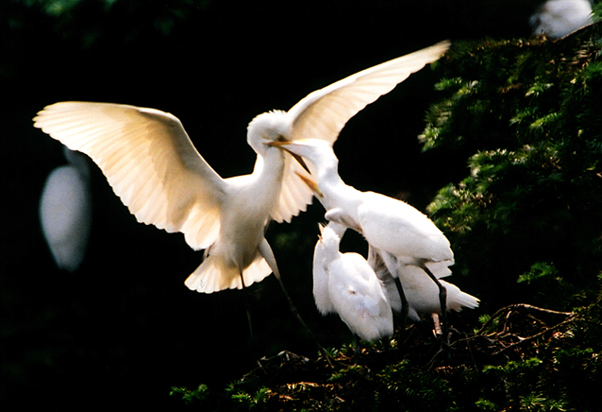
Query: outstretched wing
point(323, 113)
point(148, 160)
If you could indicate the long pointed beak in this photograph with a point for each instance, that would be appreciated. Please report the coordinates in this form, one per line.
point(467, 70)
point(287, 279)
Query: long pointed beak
point(311, 183)
point(281, 144)
point(321, 227)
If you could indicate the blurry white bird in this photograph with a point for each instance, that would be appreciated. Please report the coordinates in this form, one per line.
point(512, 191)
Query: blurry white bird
point(65, 211)
point(557, 18)
point(344, 283)
point(421, 293)
point(154, 168)
point(399, 233)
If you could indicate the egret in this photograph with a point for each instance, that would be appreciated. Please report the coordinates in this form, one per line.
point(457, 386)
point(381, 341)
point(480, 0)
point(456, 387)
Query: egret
point(65, 211)
point(152, 165)
point(399, 233)
point(320, 278)
point(557, 18)
point(344, 283)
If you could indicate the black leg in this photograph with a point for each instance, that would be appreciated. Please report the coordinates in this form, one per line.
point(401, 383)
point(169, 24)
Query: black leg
point(381, 261)
point(300, 319)
point(266, 251)
point(405, 307)
point(442, 301)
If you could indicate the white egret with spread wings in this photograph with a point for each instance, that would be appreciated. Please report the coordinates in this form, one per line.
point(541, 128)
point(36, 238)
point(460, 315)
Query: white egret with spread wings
point(154, 168)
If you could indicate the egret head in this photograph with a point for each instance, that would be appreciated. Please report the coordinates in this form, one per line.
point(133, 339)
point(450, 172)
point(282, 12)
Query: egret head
point(266, 128)
point(330, 240)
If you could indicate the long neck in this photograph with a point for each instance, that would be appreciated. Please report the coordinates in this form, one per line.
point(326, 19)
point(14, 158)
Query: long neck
point(269, 169)
point(336, 193)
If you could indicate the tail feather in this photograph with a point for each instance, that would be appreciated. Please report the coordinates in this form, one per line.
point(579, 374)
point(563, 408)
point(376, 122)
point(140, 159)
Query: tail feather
point(423, 294)
point(456, 299)
point(213, 275)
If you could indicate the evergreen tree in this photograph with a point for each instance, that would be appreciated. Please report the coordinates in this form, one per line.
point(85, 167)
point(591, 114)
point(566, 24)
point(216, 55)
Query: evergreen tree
point(525, 117)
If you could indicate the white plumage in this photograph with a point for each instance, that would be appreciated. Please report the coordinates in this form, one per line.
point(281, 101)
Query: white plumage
point(344, 283)
point(152, 165)
point(65, 211)
point(421, 292)
point(320, 278)
point(402, 236)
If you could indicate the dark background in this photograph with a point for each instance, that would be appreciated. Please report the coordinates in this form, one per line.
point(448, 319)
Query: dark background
point(124, 329)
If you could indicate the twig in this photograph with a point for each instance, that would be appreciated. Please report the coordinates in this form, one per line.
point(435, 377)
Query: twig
point(530, 338)
point(521, 306)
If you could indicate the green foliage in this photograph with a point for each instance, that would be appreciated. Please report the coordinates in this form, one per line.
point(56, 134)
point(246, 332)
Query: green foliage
point(57, 7)
point(515, 378)
point(538, 271)
point(530, 359)
point(525, 116)
point(239, 396)
point(86, 22)
point(191, 395)
point(247, 401)
point(416, 390)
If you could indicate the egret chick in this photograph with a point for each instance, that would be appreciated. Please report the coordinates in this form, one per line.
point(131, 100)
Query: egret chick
point(344, 283)
point(399, 233)
point(65, 211)
point(152, 165)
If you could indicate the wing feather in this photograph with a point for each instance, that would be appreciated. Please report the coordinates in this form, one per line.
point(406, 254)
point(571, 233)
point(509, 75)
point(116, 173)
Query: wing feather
point(323, 113)
point(149, 161)
point(295, 195)
point(392, 225)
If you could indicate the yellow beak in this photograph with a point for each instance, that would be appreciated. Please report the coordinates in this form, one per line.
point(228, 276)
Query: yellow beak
point(281, 144)
point(311, 183)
